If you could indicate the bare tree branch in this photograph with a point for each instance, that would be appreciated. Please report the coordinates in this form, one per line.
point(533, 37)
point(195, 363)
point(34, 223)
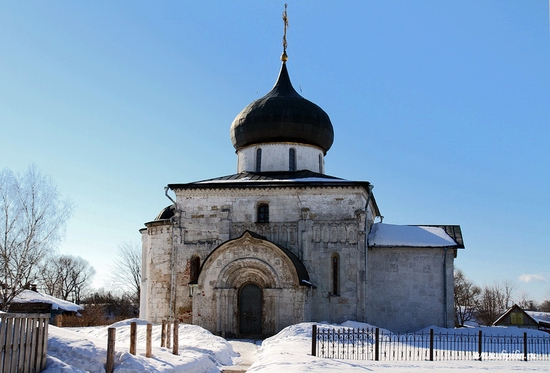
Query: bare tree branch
point(466, 298)
point(126, 269)
point(32, 221)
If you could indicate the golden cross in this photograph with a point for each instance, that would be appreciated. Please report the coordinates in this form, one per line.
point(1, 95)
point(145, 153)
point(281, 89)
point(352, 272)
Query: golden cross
point(285, 21)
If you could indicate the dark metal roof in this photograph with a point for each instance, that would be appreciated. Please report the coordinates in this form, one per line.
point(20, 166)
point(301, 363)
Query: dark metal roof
point(282, 115)
point(304, 178)
point(455, 233)
point(166, 213)
point(284, 179)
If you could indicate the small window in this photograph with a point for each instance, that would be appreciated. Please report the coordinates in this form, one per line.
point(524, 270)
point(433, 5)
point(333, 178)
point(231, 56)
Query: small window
point(195, 269)
point(335, 264)
point(258, 160)
point(292, 159)
point(320, 164)
point(263, 213)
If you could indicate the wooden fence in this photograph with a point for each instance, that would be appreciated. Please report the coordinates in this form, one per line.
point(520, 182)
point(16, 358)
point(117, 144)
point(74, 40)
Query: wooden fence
point(23, 342)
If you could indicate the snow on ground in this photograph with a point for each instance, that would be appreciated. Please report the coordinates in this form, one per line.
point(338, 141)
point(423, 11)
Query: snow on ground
point(76, 350)
point(85, 350)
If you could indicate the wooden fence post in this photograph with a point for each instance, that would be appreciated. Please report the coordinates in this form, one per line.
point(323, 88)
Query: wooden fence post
point(314, 340)
point(431, 345)
point(163, 334)
point(480, 344)
point(168, 334)
point(148, 340)
point(133, 332)
point(377, 344)
point(175, 350)
point(110, 364)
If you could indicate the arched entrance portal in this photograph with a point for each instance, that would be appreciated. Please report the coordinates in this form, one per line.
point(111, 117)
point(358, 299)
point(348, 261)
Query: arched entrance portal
point(250, 310)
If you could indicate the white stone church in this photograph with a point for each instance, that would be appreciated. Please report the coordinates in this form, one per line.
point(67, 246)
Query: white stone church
point(281, 242)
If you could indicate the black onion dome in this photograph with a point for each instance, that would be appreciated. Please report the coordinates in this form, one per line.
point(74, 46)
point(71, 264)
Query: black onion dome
point(282, 116)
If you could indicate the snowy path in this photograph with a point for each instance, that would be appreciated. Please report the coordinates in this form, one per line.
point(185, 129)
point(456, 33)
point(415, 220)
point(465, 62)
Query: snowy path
point(246, 348)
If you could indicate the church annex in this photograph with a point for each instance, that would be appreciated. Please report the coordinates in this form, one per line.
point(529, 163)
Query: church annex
point(281, 242)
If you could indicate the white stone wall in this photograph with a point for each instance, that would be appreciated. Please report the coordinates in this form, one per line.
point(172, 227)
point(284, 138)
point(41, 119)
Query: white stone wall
point(156, 257)
point(397, 288)
point(406, 288)
point(275, 157)
point(313, 223)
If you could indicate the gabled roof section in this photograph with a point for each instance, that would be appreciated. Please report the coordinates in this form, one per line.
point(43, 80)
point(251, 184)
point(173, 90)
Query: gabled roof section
point(515, 308)
point(389, 235)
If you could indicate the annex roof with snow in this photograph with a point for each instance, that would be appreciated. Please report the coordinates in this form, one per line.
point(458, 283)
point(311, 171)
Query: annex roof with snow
point(389, 235)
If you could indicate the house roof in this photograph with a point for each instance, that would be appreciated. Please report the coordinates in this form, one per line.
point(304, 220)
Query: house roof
point(542, 318)
point(29, 296)
point(389, 235)
point(515, 308)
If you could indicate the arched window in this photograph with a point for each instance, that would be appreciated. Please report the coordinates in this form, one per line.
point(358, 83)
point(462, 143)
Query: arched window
point(335, 268)
point(263, 213)
point(258, 160)
point(195, 267)
point(292, 159)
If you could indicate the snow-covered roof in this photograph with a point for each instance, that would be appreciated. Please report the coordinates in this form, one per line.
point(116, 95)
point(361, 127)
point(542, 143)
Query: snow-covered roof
point(540, 317)
point(389, 235)
point(29, 296)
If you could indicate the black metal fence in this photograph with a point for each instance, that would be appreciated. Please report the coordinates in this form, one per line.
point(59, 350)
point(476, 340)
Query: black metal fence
point(376, 344)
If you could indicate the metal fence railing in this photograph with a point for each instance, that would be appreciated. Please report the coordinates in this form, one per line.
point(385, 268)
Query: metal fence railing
point(23, 342)
point(377, 344)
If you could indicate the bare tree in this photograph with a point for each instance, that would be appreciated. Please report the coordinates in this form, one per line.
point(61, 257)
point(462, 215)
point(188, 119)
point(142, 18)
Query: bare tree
point(126, 269)
point(526, 303)
point(544, 306)
point(466, 298)
point(492, 303)
point(32, 221)
point(66, 277)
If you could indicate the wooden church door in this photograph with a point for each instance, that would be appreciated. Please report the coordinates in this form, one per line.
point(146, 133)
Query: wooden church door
point(250, 310)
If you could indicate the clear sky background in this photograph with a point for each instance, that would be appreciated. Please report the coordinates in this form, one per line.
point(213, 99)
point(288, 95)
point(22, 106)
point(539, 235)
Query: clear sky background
point(443, 105)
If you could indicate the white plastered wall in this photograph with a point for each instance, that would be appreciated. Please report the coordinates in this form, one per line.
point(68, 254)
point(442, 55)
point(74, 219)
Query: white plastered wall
point(275, 157)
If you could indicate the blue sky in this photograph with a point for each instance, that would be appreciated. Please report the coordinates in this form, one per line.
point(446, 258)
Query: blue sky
point(442, 105)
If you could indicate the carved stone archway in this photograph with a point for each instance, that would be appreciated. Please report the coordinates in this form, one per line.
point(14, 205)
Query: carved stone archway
point(251, 260)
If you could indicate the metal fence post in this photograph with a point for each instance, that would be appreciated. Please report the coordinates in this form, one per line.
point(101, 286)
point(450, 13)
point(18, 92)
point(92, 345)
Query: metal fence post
point(479, 344)
point(431, 345)
point(377, 344)
point(314, 340)
point(524, 346)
